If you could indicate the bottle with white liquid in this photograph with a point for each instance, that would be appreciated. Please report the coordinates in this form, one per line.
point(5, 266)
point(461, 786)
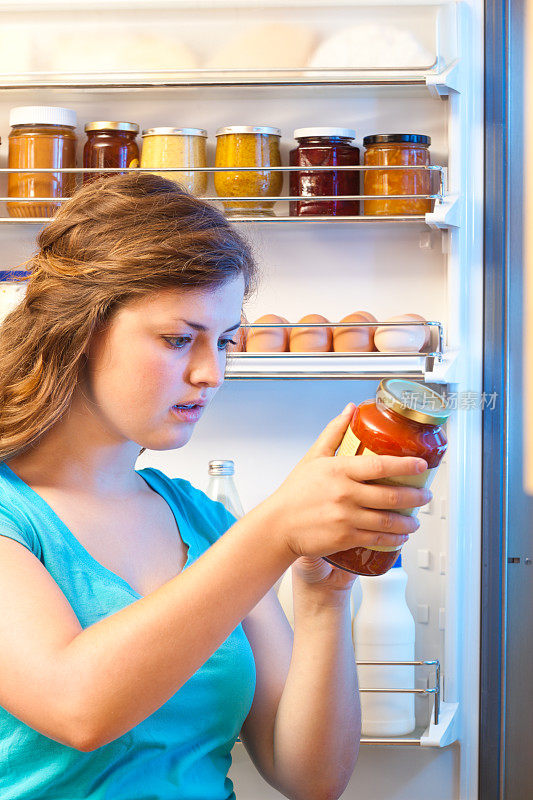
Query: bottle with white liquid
point(221, 486)
point(384, 630)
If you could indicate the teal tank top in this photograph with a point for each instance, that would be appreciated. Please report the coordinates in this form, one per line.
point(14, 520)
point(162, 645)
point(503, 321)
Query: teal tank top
point(180, 752)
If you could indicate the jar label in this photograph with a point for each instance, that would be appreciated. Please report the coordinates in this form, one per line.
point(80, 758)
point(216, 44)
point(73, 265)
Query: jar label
point(352, 446)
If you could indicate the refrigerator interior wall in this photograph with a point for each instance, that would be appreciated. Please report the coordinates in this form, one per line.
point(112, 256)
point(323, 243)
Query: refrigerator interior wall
point(333, 269)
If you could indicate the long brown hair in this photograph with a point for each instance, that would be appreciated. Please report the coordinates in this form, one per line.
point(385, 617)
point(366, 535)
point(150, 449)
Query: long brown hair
point(116, 239)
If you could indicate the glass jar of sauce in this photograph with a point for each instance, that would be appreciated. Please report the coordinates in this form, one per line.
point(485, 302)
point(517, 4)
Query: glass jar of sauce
point(177, 147)
point(248, 146)
point(405, 419)
point(397, 150)
point(110, 144)
point(324, 147)
point(42, 137)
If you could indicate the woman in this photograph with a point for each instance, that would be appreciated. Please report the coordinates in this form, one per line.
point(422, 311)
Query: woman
point(139, 630)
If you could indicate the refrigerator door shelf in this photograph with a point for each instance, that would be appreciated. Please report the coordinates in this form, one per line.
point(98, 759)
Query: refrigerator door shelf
point(340, 366)
point(440, 735)
point(445, 732)
point(446, 214)
point(440, 84)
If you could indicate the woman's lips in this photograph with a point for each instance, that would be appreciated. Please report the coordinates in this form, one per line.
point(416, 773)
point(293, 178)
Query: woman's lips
point(188, 414)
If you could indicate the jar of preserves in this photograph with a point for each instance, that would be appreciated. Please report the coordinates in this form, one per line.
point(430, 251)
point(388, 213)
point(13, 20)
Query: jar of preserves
point(41, 137)
point(177, 147)
point(248, 146)
point(110, 144)
point(397, 150)
point(405, 419)
point(324, 147)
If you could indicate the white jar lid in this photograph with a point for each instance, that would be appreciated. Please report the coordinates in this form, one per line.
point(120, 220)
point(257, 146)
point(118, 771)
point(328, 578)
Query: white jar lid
point(302, 133)
point(42, 115)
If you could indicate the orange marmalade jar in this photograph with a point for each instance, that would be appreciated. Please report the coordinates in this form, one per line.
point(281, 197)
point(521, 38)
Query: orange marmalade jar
point(397, 150)
point(405, 419)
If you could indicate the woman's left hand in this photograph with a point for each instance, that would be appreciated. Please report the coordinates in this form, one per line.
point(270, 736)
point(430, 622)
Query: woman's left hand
point(315, 572)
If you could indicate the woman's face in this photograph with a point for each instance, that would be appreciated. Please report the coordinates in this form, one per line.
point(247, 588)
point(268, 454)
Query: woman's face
point(167, 349)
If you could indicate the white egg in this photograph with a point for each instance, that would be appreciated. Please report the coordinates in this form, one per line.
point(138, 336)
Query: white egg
point(401, 338)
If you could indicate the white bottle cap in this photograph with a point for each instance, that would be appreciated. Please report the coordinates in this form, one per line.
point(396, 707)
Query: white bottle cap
point(42, 115)
point(302, 133)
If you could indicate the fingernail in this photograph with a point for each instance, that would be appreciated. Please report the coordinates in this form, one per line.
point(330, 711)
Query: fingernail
point(421, 466)
point(350, 406)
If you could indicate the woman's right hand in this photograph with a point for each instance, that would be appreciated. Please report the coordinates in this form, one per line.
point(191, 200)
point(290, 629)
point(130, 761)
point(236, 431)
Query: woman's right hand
point(325, 505)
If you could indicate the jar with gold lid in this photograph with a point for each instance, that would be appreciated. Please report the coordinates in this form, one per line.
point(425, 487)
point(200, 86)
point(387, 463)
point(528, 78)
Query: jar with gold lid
point(248, 146)
point(177, 147)
point(110, 144)
point(405, 419)
point(41, 137)
point(397, 150)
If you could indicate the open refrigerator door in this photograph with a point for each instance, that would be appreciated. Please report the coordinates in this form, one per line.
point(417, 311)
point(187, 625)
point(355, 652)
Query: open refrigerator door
point(413, 67)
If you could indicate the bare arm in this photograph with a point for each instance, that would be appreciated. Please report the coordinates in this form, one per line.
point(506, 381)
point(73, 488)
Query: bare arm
point(302, 731)
point(318, 720)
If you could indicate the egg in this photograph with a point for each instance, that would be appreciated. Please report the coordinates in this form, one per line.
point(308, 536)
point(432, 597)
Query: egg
point(425, 328)
point(268, 340)
point(355, 340)
point(402, 338)
point(311, 340)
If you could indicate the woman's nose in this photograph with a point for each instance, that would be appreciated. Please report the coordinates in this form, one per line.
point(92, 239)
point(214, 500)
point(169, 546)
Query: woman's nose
point(207, 367)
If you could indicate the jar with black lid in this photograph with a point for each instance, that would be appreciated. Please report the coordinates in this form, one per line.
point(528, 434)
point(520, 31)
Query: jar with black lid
point(324, 147)
point(397, 150)
point(110, 144)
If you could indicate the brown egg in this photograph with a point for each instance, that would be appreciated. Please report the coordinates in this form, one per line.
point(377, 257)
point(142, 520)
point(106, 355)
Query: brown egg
point(402, 338)
point(355, 340)
point(311, 340)
point(268, 340)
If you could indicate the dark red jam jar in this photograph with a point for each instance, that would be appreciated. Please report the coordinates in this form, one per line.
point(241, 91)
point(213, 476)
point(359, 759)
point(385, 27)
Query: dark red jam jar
point(110, 144)
point(324, 147)
point(405, 419)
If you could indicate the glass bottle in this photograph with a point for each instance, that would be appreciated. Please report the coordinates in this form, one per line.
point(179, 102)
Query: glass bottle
point(221, 486)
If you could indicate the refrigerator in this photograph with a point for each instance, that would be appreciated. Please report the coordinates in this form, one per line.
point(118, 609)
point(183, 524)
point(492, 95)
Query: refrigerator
point(409, 67)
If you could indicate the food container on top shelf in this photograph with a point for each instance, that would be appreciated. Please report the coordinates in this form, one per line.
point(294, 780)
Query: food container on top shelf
point(110, 144)
point(405, 419)
point(42, 137)
point(11, 291)
point(177, 147)
point(324, 147)
point(397, 150)
point(248, 146)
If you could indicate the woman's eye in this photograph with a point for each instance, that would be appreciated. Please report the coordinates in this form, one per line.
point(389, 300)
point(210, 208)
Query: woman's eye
point(178, 342)
point(223, 344)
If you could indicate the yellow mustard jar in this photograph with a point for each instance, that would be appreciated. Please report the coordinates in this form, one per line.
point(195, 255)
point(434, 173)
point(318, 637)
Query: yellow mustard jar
point(177, 147)
point(248, 146)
